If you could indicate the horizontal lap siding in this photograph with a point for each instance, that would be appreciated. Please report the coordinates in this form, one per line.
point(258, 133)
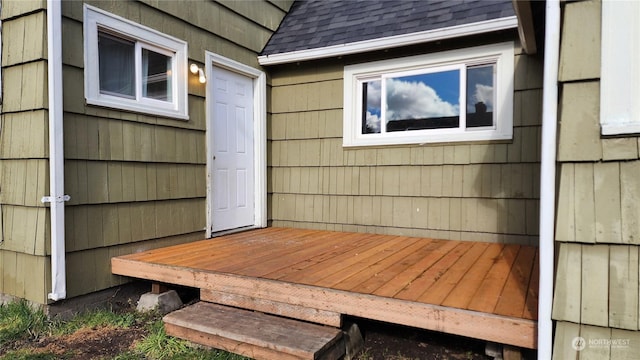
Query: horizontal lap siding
point(24, 147)
point(137, 181)
point(470, 191)
point(597, 224)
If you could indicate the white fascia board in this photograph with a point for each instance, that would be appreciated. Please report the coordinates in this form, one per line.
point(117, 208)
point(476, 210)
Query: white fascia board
point(391, 41)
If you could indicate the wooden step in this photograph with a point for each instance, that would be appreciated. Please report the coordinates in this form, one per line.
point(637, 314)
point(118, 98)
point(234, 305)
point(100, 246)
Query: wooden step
point(254, 334)
point(308, 314)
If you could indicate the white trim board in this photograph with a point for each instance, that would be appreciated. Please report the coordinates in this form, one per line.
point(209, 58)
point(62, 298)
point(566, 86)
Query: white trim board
point(259, 131)
point(391, 41)
point(619, 69)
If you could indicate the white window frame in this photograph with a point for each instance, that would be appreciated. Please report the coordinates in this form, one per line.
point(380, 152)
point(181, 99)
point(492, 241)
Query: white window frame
point(96, 20)
point(620, 68)
point(502, 54)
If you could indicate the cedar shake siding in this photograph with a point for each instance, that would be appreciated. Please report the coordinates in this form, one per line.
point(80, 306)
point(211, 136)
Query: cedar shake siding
point(136, 181)
point(479, 191)
point(597, 227)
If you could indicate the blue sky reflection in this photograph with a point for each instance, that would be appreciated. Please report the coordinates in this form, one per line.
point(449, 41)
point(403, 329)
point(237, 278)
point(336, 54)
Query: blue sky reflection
point(422, 96)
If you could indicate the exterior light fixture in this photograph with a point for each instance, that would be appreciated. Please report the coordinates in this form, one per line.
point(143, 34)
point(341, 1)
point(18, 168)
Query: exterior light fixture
point(196, 70)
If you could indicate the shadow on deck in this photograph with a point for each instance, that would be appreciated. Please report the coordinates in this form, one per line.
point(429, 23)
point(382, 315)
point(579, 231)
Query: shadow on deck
point(480, 290)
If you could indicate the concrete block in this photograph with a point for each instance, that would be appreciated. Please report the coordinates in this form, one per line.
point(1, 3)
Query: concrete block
point(164, 303)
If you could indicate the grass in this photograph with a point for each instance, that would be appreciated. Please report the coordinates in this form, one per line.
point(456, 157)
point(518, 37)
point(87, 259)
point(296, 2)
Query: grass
point(29, 355)
point(365, 354)
point(158, 345)
point(18, 320)
point(21, 324)
point(97, 318)
point(24, 331)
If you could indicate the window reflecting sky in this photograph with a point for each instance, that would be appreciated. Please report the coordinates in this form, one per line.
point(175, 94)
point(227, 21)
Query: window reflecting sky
point(428, 96)
point(423, 96)
point(480, 87)
point(373, 106)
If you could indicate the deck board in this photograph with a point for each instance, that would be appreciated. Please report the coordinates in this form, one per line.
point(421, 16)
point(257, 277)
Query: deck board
point(531, 306)
point(514, 294)
point(303, 267)
point(488, 295)
point(404, 279)
point(270, 263)
point(451, 278)
point(470, 283)
point(365, 260)
point(459, 287)
point(425, 280)
point(322, 269)
point(249, 250)
point(184, 252)
point(391, 274)
point(372, 270)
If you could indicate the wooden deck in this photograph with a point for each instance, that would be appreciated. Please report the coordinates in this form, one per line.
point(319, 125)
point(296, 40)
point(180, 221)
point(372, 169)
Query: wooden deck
point(481, 290)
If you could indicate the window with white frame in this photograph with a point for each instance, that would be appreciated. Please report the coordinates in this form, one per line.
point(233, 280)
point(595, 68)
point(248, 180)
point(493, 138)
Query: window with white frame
point(459, 95)
point(132, 67)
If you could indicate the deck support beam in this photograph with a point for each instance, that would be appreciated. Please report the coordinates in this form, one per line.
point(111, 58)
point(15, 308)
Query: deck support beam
point(511, 353)
point(158, 288)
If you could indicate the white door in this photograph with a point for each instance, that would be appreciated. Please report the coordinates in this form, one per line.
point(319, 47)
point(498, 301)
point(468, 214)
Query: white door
point(233, 184)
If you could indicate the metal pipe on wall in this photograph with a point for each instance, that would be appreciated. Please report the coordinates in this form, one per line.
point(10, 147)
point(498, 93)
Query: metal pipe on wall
point(56, 152)
point(548, 177)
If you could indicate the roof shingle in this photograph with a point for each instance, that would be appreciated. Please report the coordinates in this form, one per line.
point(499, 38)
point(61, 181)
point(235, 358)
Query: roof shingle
point(312, 24)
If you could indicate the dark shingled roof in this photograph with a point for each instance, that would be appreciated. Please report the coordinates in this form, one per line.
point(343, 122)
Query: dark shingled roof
point(312, 24)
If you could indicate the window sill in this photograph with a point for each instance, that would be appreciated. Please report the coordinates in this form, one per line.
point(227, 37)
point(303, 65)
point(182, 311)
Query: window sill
point(423, 139)
point(137, 108)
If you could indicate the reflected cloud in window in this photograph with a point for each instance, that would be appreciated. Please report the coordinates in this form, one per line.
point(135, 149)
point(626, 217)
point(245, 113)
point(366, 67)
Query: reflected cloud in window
point(458, 95)
point(424, 101)
point(373, 103)
point(480, 95)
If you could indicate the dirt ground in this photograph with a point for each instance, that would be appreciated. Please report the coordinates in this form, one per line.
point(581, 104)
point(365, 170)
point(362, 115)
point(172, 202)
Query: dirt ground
point(382, 342)
point(95, 343)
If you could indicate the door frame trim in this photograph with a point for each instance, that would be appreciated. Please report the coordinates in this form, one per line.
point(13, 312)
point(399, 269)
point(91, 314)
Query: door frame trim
point(259, 136)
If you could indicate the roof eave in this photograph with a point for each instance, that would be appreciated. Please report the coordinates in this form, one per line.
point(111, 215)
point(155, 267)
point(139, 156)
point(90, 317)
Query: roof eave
point(480, 27)
point(525, 25)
